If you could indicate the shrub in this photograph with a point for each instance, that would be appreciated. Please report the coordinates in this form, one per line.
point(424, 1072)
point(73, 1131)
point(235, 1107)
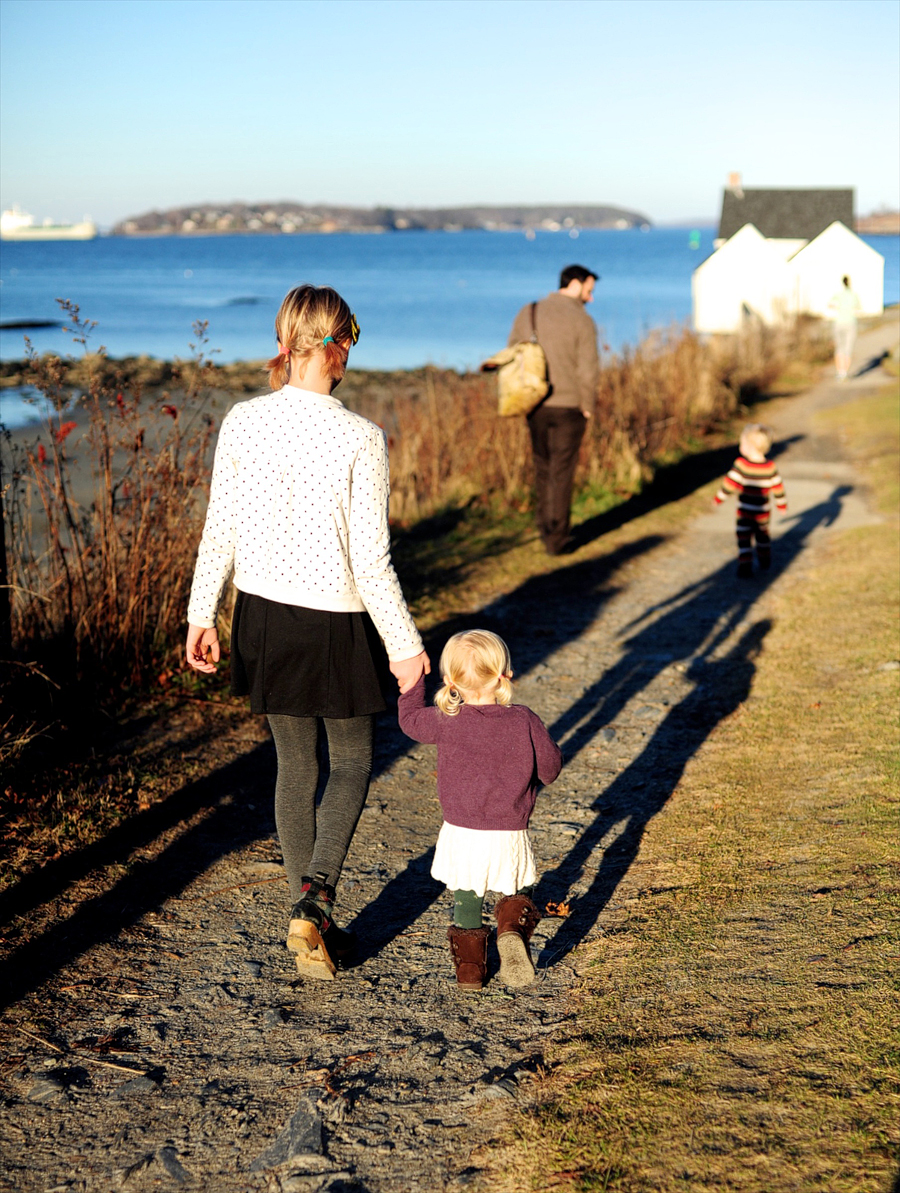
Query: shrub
point(100, 513)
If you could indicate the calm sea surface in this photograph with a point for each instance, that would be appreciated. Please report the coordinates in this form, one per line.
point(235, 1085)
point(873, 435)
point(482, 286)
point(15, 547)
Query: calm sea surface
point(446, 298)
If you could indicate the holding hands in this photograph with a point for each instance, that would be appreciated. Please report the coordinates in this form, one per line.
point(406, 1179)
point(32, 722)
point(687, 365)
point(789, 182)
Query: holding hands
point(408, 672)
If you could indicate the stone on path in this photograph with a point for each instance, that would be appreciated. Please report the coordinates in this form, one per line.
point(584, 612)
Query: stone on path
point(301, 1137)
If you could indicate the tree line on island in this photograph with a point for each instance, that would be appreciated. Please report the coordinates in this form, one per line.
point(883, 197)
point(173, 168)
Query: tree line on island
point(290, 218)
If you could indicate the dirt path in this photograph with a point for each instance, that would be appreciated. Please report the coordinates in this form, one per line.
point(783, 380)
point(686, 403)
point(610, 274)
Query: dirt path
point(155, 1036)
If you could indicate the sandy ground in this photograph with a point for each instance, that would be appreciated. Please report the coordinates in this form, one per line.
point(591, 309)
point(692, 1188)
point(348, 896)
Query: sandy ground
point(155, 1035)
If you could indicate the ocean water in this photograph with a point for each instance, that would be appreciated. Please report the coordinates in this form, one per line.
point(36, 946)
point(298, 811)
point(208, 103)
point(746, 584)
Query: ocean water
point(445, 298)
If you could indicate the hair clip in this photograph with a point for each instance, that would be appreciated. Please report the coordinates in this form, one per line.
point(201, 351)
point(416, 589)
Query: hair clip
point(354, 329)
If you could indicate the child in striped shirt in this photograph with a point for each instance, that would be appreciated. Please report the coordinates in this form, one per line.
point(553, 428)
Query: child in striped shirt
point(755, 479)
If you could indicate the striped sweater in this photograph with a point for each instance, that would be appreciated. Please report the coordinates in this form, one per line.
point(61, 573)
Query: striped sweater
point(755, 482)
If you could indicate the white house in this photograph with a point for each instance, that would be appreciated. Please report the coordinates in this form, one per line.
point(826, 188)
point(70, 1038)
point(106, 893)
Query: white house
point(746, 276)
point(780, 253)
point(816, 272)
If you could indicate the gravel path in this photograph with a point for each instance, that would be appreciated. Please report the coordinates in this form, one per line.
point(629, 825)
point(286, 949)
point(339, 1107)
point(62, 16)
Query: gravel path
point(155, 1035)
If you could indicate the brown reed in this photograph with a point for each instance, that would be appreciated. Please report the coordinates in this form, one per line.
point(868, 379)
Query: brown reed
point(448, 446)
point(100, 512)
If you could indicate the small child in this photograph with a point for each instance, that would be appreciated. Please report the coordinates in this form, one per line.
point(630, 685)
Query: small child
point(755, 479)
point(491, 754)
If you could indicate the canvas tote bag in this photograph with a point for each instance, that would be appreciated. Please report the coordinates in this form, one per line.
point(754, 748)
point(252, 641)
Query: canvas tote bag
point(521, 374)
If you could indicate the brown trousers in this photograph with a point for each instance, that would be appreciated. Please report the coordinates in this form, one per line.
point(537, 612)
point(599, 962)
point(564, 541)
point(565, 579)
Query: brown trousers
point(556, 434)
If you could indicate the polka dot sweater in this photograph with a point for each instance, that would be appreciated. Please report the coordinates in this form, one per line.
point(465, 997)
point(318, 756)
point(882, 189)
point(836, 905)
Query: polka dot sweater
point(298, 507)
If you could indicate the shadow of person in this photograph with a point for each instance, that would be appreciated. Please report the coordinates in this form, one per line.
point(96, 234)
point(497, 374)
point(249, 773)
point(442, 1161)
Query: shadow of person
point(635, 796)
point(670, 483)
point(536, 618)
point(690, 626)
point(874, 362)
point(690, 629)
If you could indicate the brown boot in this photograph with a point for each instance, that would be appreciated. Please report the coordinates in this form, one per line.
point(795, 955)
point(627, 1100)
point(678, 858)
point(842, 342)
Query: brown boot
point(469, 949)
point(517, 917)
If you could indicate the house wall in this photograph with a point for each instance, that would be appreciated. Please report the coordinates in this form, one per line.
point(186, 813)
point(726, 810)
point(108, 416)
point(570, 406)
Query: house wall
point(745, 275)
point(772, 280)
point(786, 248)
point(816, 272)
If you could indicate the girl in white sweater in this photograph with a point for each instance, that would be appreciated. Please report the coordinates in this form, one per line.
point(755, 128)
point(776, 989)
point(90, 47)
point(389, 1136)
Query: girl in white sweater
point(298, 510)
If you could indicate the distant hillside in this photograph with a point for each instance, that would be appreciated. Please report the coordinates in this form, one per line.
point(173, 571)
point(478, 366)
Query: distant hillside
point(207, 218)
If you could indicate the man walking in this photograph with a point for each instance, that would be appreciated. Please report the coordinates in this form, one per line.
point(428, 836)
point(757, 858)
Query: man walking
point(568, 336)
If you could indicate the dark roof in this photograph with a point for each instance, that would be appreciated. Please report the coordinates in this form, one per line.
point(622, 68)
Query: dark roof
point(786, 215)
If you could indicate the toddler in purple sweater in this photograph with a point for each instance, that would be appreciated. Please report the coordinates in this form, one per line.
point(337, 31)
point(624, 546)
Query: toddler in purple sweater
point(491, 756)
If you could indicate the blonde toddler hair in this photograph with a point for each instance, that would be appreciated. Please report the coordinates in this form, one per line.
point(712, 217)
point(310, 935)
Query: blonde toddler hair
point(755, 440)
point(306, 318)
point(472, 662)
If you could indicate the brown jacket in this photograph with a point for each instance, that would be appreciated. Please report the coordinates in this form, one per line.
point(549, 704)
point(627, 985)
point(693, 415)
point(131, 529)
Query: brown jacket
point(568, 336)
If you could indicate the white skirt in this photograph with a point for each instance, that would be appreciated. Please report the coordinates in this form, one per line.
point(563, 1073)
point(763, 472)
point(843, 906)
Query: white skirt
point(481, 860)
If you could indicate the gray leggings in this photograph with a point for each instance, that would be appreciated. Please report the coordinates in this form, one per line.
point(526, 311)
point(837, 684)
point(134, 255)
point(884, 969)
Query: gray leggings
point(312, 841)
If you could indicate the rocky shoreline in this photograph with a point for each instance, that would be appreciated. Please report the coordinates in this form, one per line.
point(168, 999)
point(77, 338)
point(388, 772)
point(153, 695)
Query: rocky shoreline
point(146, 372)
point(371, 392)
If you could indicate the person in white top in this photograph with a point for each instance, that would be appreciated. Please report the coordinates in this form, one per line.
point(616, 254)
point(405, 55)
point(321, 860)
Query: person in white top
point(298, 510)
point(846, 306)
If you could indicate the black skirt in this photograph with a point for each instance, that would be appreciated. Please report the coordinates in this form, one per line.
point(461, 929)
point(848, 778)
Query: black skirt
point(301, 662)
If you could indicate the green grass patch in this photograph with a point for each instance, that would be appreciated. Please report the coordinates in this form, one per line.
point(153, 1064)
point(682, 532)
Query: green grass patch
point(870, 430)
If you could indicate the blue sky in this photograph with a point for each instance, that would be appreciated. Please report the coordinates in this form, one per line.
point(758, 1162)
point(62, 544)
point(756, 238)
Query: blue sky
point(112, 107)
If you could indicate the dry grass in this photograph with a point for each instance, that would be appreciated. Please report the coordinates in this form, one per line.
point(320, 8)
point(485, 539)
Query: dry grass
point(739, 1028)
point(99, 514)
point(867, 431)
point(674, 387)
point(448, 447)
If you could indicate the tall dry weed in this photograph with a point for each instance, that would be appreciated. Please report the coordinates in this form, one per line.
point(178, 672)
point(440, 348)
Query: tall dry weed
point(448, 446)
point(101, 513)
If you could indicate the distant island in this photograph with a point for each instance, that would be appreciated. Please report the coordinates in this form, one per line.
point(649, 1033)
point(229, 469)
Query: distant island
point(290, 218)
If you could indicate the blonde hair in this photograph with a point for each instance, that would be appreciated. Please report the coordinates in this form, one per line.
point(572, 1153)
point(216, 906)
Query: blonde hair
point(472, 662)
point(306, 318)
point(755, 438)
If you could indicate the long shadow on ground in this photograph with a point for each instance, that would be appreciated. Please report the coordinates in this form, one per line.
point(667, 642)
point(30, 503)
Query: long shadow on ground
point(570, 594)
point(55, 876)
point(695, 623)
point(693, 626)
point(230, 825)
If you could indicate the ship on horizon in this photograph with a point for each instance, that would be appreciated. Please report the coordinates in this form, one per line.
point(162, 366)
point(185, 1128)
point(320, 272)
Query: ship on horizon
point(19, 225)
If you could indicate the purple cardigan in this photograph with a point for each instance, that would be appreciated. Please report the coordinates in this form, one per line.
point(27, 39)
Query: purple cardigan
point(490, 759)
